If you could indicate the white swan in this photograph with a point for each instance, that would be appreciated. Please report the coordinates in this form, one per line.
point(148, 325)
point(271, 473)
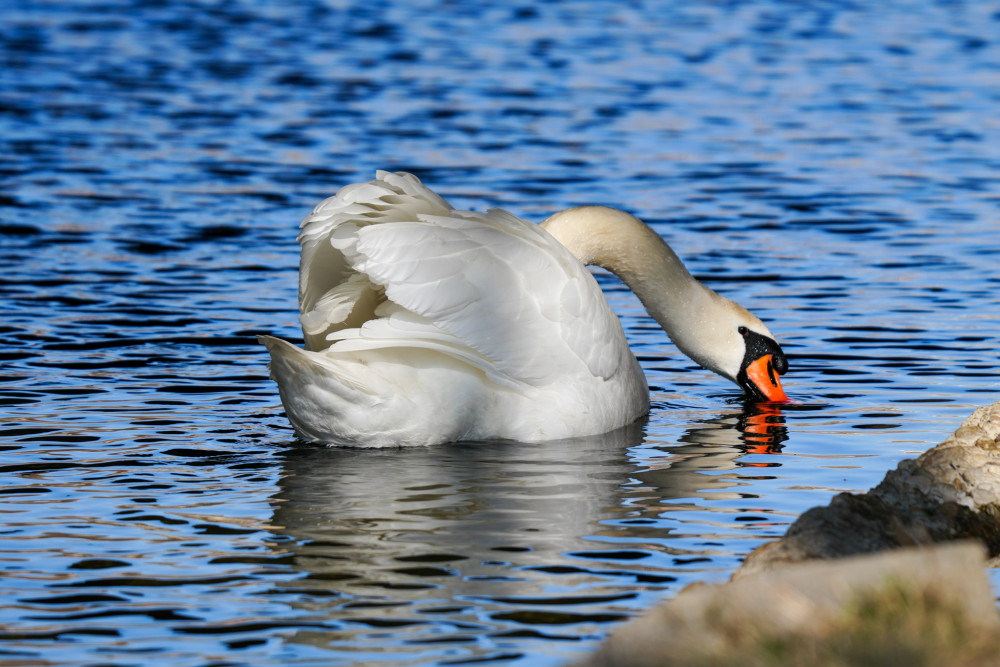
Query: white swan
point(424, 324)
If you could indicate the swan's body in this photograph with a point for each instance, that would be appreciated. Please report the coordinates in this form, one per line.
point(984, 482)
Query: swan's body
point(423, 324)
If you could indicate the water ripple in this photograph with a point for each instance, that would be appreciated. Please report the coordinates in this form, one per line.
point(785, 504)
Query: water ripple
point(832, 168)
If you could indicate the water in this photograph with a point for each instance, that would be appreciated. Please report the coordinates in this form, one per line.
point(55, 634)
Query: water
point(833, 166)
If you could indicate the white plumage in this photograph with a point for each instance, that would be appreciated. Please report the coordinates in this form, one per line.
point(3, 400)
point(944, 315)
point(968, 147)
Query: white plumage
point(424, 324)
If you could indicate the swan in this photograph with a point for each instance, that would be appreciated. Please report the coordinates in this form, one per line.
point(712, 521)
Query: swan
point(424, 324)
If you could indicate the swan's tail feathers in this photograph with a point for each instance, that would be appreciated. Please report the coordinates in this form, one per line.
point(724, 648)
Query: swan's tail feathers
point(291, 364)
point(315, 391)
point(380, 397)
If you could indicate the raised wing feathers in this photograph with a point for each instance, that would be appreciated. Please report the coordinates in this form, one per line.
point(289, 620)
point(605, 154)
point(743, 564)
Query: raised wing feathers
point(491, 290)
point(330, 297)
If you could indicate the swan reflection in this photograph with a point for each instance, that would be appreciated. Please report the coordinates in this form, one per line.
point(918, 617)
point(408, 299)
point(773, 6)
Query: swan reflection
point(475, 538)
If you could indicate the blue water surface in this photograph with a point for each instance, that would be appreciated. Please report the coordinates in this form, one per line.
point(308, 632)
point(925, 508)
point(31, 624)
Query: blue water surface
point(832, 165)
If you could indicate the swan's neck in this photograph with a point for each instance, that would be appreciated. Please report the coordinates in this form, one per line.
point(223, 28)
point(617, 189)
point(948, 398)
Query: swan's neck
point(695, 317)
point(628, 248)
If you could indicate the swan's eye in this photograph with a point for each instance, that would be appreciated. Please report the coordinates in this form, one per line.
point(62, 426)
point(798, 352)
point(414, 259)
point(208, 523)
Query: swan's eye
point(744, 331)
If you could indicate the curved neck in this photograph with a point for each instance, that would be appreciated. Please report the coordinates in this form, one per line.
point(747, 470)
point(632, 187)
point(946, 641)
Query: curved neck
point(628, 248)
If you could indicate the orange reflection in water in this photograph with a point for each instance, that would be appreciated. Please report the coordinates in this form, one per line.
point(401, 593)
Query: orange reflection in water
point(763, 429)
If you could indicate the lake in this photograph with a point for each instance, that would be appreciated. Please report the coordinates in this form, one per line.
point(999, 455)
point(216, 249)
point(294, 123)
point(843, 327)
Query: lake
point(833, 166)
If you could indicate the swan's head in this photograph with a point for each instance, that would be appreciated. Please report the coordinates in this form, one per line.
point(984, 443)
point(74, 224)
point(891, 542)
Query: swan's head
point(763, 361)
point(717, 333)
point(731, 341)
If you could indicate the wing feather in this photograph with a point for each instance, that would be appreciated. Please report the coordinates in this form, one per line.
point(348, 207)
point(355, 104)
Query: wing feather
point(323, 269)
point(497, 284)
point(390, 264)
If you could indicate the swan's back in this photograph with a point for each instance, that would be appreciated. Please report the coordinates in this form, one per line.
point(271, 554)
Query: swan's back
point(462, 325)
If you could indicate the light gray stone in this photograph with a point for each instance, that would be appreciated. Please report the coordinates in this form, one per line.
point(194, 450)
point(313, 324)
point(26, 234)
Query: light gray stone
point(830, 613)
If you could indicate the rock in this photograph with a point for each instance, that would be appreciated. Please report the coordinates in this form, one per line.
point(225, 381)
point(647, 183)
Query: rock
point(929, 606)
point(950, 492)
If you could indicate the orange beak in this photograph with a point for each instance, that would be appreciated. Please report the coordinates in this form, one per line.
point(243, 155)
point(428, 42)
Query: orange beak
point(763, 376)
